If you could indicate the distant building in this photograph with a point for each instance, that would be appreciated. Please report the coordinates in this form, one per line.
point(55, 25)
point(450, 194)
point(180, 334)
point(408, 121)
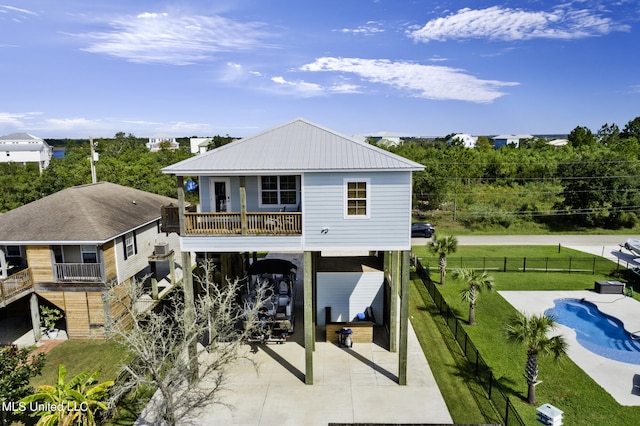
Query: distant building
point(467, 140)
point(199, 145)
point(558, 142)
point(503, 140)
point(25, 148)
point(155, 142)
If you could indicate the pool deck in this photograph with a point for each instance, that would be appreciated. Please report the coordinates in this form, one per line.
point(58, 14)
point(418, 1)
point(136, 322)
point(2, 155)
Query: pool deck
point(617, 378)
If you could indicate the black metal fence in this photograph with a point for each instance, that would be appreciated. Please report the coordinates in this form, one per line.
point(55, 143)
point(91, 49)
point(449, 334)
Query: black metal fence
point(583, 265)
point(483, 373)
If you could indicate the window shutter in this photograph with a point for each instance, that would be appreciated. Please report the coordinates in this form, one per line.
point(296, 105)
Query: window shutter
point(135, 243)
point(123, 239)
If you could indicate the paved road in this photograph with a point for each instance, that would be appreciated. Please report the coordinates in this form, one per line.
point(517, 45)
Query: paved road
point(551, 240)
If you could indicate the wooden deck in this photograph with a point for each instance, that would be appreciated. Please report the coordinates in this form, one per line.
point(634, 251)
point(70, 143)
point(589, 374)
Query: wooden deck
point(243, 224)
point(15, 287)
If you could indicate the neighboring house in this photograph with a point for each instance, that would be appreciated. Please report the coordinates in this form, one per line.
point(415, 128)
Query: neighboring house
point(300, 187)
point(467, 140)
point(503, 140)
point(156, 143)
point(558, 142)
point(386, 139)
point(68, 248)
point(199, 145)
point(25, 148)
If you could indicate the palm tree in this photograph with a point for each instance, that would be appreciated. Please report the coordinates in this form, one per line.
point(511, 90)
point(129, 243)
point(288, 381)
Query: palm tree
point(532, 332)
point(442, 247)
point(80, 399)
point(476, 283)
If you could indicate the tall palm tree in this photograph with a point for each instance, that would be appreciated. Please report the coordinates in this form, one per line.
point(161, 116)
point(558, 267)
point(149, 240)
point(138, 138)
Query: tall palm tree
point(532, 332)
point(476, 282)
point(442, 247)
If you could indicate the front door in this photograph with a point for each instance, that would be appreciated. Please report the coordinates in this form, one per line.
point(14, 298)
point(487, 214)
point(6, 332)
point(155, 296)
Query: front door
point(220, 194)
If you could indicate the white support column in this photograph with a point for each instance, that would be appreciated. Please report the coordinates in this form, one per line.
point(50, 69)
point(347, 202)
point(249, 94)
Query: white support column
point(35, 316)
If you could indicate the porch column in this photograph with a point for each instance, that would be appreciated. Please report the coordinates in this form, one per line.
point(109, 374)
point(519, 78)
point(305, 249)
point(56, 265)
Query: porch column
point(394, 266)
point(154, 280)
point(35, 316)
point(3, 265)
point(404, 316)
point(308, 316)
point(243, 206)
point(187, 286)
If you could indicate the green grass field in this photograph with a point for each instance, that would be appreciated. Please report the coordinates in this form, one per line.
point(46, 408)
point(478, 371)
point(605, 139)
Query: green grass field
point(79, 356)
point(564, 384)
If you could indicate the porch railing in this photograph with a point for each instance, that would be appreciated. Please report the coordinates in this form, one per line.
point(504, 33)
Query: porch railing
point(273, 223)
point(83, 272)
point(15, 284)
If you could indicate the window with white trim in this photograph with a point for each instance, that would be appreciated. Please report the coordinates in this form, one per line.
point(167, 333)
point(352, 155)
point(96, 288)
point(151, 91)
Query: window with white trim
point(278, 190)
point(130, 246)
point(89, 254)
point(356, 198)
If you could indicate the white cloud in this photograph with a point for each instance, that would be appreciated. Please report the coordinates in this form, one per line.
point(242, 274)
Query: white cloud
point(299, 88)
point(174, 38)
point(16, 119)
point(7, 9)
point(69, 123)
point(424, 81)
point(345, 88)
point(370, 28)
point(498, 23)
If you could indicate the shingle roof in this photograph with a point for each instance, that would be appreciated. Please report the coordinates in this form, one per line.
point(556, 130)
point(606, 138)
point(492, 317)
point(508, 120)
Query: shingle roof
point(88, 213)
point(296, 146)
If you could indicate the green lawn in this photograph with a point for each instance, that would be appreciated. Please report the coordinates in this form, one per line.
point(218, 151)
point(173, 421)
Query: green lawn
point(564, 384)
point(79, 356)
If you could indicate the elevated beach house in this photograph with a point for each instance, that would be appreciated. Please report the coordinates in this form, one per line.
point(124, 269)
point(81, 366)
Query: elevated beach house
point(25, 148)
point(342, 204)
point(68, 248)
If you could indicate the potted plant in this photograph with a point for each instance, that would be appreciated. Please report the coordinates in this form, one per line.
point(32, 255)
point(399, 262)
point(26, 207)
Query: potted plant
point(48, 318)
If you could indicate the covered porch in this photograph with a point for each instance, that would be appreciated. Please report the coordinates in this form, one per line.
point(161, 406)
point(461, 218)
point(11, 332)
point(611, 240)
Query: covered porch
point(240, 205)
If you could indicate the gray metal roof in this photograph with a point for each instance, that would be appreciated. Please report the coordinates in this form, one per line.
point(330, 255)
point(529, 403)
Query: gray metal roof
point(22, 142)
point(294, 147)
point(20, 137)
point(88, 213)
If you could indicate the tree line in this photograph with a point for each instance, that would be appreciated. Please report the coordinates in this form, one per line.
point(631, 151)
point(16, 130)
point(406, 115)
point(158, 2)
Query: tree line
point(594, 180)
point(124, 160)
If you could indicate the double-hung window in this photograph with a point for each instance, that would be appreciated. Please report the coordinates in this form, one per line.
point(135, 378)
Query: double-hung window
point(130, 246)
point(278, 191)
point(356, 198)
point(89, 254)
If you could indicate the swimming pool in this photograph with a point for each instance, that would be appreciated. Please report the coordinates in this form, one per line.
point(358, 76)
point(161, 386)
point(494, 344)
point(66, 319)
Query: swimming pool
point(600, 333)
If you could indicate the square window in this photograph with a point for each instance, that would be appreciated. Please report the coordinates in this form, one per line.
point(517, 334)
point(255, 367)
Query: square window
point(356, 199)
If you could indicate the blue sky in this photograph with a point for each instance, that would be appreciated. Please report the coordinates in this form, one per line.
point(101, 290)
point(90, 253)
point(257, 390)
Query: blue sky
point(77, 68)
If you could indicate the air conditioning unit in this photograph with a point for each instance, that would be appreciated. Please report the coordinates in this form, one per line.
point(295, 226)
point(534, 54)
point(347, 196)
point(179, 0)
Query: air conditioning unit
point(161, 249)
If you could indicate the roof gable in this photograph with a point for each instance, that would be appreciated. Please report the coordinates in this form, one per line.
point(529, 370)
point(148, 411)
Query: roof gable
point(296, 146)
point(88, 213)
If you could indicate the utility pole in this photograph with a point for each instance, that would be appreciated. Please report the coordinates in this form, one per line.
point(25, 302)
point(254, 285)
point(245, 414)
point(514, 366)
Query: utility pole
point(92, 161)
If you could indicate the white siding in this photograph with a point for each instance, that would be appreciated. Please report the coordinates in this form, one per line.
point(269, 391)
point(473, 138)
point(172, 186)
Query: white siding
point(348, 294)
point(389, 223)
point(242, 243)
point(146, 239)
